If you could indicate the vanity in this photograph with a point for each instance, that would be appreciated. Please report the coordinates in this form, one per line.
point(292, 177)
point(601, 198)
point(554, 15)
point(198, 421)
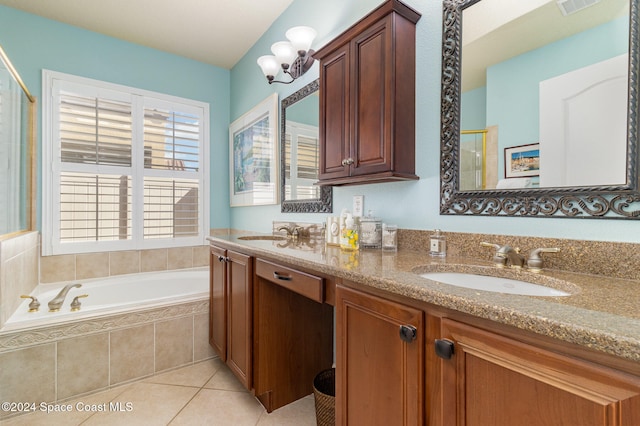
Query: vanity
point(415, 349)
point(408, 348)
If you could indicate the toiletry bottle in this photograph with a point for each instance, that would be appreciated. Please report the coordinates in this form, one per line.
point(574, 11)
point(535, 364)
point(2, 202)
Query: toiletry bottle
point(349, 238)
point(437, 244)
point(389, 237)
point(333, 230)
point(370, 232)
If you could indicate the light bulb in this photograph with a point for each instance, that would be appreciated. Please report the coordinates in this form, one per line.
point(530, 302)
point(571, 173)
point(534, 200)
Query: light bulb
point(269, 65)
point(301, 38)
point(284, 52)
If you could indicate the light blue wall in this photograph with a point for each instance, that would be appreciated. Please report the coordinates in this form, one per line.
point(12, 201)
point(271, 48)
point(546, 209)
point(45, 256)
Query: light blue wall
point(473, 109)
point(34, 43)
point(513, 85)
point(412, 205)
point(305, 111)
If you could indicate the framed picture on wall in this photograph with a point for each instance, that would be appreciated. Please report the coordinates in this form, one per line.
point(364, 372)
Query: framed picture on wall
point(522, 161)
point(253, 159)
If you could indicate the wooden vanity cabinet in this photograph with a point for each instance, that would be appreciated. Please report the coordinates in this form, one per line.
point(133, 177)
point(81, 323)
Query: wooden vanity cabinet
point(230, 310)
point(367, 99)
point(380, 361)
point(293, 333)
point(491, 379)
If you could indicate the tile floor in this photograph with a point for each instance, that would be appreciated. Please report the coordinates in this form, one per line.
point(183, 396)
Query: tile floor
point(206, 393)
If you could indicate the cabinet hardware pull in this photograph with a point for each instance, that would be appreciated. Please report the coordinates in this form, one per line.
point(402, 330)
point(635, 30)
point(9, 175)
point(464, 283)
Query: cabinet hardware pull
point(444, 348)
point(221, 259)
point(347, 161)
point(281, 277)
point(408, 333)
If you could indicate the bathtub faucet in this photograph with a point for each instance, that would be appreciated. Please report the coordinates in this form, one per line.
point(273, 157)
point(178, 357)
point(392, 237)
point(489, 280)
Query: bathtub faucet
point(56, 302)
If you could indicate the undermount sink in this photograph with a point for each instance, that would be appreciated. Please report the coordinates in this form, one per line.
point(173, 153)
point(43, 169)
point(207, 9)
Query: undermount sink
point(493, 284)
point(263, 237)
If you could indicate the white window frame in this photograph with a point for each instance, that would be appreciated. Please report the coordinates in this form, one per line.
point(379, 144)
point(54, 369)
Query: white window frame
point(294, 131)
point(51, 165)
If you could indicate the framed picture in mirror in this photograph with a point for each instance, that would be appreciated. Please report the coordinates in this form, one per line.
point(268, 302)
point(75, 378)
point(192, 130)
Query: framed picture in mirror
point(253, 164)
point(522, 161)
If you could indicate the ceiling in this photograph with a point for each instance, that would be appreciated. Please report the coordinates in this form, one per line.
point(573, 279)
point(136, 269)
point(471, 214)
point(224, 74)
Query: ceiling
point(217, 32)
point(492, 34)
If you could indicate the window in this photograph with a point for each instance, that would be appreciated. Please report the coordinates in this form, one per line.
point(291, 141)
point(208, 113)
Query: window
point(301, 162)
point(124, 168)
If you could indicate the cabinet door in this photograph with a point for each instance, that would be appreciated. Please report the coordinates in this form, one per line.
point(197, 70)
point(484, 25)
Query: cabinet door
point(239, 316)
point(334, 115)
point(373, 97)
point(217, 301)
point(379, 374)
point(494, 380)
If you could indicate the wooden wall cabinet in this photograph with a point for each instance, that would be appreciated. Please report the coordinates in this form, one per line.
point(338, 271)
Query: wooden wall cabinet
point(380, 361)
point(367, 99)
point(495, 380)
point(230, 310)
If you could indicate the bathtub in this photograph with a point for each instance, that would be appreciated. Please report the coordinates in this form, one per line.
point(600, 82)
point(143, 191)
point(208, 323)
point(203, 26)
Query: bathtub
point(112, 295)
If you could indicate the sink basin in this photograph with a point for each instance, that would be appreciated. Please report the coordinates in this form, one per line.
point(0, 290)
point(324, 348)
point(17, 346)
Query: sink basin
point(493, 284)
point(263, 237)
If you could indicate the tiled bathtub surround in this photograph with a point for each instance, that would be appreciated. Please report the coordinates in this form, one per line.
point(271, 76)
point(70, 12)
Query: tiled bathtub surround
point(71, 267)
point(18, 271)
point(618, 260)
point(59, 362)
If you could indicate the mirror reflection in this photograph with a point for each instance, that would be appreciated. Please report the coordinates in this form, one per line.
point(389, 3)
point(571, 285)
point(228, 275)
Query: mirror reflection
point(16, 115)
point(300, 115)
point(544, 94)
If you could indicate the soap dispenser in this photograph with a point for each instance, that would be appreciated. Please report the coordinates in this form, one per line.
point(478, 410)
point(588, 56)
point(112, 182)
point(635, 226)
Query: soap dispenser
point(349, 234)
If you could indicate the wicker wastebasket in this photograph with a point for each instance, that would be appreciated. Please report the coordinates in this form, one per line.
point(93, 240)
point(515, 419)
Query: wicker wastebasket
point(324, 392)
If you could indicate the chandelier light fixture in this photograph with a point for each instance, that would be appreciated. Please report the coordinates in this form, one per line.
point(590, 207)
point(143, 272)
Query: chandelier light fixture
point(293, 57)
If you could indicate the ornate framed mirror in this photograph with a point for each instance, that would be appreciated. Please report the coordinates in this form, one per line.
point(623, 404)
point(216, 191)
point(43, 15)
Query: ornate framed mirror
point(299, 151)
point(519, 137)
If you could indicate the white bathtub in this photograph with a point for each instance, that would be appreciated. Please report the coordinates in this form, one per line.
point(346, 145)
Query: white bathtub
point(113, 295)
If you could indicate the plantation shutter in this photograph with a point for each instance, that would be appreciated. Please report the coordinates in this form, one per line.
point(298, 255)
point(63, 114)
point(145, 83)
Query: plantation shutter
point(95, 181)
point(126, 169)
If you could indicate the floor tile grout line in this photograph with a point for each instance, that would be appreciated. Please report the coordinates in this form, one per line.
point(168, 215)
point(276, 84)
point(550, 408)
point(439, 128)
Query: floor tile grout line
point(184, 406)
point(193, 397)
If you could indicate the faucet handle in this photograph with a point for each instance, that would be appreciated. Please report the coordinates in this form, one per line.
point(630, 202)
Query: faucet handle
point(500, 262)
point(535, 262)
point(75, 304)
point(34, 305)
point(486, 244)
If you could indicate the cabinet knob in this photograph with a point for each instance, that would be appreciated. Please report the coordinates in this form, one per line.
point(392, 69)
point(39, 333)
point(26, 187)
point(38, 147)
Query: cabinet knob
point(444, 348)
point(220, 258)
point(347, 161)
point(408, 333)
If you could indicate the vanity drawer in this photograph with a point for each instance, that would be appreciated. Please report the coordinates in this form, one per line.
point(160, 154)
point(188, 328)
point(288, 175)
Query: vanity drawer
point(304, 284)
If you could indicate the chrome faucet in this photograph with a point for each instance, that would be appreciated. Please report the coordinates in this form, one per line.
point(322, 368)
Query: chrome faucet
point(56, 302)
point(293, 231)
point(509, 256)
point(505, 255)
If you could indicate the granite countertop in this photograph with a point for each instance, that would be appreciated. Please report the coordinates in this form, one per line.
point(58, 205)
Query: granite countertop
point(602, 313)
